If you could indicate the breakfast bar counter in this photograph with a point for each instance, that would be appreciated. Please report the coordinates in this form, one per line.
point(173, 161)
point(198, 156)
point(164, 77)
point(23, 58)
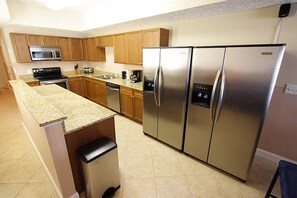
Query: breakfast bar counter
point(58, 122)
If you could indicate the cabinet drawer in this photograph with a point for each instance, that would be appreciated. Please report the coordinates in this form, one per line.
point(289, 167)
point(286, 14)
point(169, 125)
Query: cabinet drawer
point(126, 90)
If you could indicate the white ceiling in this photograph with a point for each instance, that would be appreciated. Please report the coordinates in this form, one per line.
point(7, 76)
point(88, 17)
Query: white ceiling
point(94, 15)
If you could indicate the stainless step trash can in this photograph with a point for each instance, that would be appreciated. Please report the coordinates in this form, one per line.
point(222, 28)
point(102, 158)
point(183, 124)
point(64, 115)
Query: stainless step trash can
point(100, 166)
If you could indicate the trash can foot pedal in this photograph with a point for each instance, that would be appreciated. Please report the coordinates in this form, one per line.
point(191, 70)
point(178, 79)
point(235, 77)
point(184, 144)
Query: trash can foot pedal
point(109, 193)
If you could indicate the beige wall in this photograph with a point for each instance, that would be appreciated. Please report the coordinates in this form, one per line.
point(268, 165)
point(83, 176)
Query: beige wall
point(248, 27)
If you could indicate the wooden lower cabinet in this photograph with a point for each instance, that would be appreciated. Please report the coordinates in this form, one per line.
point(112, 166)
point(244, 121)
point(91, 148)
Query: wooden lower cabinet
point(137, 105)
point(131, 103)
point(95, 90)
point(76, 86)
point(126, 102)
point(102, 93)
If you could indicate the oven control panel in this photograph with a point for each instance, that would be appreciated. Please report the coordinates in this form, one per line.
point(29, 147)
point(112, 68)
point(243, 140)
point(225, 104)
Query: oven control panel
point(201, 94)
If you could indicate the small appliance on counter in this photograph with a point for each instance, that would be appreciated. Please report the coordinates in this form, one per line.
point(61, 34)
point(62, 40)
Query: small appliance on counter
point(135, 76)
point(124, 75)
point(88, 70)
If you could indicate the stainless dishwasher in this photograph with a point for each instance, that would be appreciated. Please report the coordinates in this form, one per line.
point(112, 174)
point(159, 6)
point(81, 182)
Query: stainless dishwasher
point(113, 96)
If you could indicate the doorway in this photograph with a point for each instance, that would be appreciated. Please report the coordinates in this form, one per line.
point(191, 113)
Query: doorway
point(4, 76)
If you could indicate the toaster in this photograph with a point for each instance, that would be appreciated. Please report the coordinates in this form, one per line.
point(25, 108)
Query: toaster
point(88, 70)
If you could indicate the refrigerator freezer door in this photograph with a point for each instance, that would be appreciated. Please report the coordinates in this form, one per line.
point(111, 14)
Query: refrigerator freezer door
point(250, 78)
point(151, 62)
point(174, 72)
point(206, 63)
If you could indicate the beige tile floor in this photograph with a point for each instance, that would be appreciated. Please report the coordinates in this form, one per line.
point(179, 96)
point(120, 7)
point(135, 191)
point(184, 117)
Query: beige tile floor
point(148, 168)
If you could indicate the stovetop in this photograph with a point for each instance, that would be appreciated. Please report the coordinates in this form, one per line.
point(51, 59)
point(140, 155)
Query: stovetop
point(48, 73)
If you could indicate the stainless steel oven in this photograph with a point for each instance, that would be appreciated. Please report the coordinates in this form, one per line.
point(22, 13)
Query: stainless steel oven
point(51, 75)
point(61, 82)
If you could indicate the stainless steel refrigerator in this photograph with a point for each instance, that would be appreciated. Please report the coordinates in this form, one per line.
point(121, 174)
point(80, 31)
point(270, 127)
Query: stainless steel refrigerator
point(166, 74)
point(230, 91)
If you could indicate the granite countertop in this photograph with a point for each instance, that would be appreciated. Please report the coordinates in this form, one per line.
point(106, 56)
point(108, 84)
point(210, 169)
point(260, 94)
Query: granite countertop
point(51, 103)
point(69, 74)
point(28, 78)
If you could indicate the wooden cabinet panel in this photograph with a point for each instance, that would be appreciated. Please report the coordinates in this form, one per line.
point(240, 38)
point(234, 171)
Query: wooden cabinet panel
point(76, 86)
point(90, 90)
point(120, 48)
point(21, 48)
point(42, 40)
point(137, 105)
point(95, 90)
point(50, 40)
point(71, 49)
point(103, 41)
point(155, 37)
point(65, 46)
point(77, 49)
point(134, 48)
point(85, 44)
point(33, 83)
point(126, 102)
point(92, 49)
point(102, 92)
point(107, 40)
point(131, 103)
point(92, 52)
point(34, 40)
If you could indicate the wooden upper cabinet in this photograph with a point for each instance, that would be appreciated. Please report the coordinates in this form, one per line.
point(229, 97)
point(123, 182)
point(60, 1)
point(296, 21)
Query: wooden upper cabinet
point(42, 40)
point(34, 40)
point(91, 51)
point(77, 49)
point(20, 46)
point(104, 41)
point(65, 46)
point(120, 48)
point(71, 49)
point(85, 44)
point(134, 48)
point(155, 37)
point(50, 40)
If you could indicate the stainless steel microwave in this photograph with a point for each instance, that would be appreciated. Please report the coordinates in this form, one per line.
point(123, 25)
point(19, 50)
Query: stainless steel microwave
point(42, 53)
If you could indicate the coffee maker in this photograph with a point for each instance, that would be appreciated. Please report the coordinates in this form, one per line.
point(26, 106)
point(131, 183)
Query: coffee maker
point(135, 76)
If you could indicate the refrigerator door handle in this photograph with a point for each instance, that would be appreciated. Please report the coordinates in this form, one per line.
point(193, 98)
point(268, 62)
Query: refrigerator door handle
point(213, 94)
point(222, 89)
point(160, 85)
point(155, 91)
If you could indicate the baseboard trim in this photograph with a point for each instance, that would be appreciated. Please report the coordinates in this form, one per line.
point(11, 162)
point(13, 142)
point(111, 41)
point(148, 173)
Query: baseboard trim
point(271, 156)
point(57, 190)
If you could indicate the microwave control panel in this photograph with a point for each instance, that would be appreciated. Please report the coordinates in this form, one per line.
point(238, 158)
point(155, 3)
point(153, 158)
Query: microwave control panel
point(201, 94)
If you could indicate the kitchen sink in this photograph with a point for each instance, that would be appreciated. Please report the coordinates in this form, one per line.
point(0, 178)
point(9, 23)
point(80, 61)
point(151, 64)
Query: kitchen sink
point(106, 76)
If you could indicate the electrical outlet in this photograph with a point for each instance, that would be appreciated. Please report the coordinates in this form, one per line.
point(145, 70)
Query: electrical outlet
point(291, 89)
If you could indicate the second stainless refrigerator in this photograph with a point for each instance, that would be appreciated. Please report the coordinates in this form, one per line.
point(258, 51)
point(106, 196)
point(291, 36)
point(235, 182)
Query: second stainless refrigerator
point(230, 91)
point(166, 75)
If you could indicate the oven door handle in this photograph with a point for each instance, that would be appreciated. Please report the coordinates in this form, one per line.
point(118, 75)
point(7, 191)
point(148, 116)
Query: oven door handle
point(48, 82)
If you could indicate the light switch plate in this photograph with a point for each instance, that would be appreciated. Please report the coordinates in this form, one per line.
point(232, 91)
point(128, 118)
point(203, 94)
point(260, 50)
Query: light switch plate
point(291, 89)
